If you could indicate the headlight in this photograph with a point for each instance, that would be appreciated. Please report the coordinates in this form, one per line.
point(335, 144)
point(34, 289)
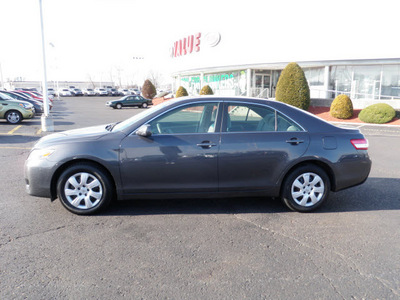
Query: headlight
point(26, 105)
point(40, 153)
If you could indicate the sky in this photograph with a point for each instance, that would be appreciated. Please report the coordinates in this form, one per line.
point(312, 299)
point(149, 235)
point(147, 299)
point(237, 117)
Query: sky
point(98, 39)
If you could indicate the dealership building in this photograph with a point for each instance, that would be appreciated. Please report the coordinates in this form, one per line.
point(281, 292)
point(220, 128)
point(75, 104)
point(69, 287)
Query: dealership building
point(246, 67)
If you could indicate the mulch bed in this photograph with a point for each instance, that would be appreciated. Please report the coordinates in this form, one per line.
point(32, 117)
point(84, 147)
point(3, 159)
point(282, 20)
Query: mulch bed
point(323, 113)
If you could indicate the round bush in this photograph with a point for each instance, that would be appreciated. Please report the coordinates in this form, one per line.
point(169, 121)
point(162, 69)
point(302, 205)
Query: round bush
point(181, 92)
point(292, 87)
point(342, 107)
point(148, 89)
point(379, 113)
point(206, 90)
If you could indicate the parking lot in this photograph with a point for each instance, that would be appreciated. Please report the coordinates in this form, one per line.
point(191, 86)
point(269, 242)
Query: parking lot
point(245, 248)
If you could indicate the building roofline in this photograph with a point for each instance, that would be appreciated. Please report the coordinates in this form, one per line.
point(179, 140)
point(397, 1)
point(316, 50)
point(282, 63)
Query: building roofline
point(282, 65)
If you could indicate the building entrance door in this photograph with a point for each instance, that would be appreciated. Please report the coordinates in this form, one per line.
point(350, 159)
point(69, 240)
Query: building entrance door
point(262, 85)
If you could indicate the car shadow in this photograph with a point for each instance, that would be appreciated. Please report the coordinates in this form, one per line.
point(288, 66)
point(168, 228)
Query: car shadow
point(376, 194)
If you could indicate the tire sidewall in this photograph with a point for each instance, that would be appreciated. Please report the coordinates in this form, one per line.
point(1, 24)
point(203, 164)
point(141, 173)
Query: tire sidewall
point(94, 171)
point(118, 106)
point(144, 105)
point(14, 111)
point(288, 182)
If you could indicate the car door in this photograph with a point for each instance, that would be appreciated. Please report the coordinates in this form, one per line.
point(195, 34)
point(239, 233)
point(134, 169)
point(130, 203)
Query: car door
point(257, 144)
point(129, 101)
point(181, 155)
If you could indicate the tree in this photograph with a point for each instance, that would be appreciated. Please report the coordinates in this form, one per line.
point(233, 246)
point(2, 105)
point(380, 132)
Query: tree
point(148, 89)
point(181, 92)
point(206, 90)
point(292, 87)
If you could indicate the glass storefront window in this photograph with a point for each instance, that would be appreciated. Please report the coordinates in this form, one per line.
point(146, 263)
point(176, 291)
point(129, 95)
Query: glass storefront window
point(315, 76)
point(390, 81)
point(224, 84)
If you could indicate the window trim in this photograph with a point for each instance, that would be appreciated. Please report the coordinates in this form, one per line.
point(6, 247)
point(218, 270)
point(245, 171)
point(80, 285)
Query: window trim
point(217, 119)
point(223, 128)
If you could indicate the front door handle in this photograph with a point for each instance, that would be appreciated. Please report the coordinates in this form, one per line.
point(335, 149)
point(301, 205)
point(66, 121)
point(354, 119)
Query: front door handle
point(294, 141)
point(206, 144)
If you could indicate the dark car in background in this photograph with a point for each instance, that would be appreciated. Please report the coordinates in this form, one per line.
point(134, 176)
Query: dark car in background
point(129, 101)
point(200, 147)
point(76, 92)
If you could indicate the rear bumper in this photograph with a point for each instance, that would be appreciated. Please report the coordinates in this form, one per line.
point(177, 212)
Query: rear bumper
point(352, 171)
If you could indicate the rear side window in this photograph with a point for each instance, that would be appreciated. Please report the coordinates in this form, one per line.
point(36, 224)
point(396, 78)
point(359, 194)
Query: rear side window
point(256, 118)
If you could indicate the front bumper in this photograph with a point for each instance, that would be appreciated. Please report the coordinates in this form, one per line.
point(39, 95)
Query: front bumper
point(38, 175)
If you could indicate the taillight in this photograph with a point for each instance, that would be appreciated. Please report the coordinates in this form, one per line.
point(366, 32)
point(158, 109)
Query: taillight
point(360, 144)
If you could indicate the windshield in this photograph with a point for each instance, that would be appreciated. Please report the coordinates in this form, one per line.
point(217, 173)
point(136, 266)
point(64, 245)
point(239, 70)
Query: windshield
point(142, 115)
point(5, 97)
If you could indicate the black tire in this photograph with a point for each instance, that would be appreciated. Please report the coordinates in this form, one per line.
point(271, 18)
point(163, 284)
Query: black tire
point(305, 188)
point(144, 105)
point(13, 117)
point(118, 105)
point(89, 189)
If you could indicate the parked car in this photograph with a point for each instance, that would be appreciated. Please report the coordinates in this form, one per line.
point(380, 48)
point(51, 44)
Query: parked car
point(76, 92)
point(37, 105)
point(51, 92)
point(124, 92)
point(101, 92)
point(134, 91)
point(88, 92)
point(33, 97)
point(64, 92)
point(129, 101)
point(200, 146)
point(14, 111)
point(115, 92)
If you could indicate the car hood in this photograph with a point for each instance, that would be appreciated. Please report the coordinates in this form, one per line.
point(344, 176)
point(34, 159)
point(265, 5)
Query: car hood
point(83, 134)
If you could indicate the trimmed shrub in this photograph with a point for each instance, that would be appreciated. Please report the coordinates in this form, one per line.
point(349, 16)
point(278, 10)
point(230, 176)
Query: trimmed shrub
point(206, 90)
point(379, 113)
point(292, 87)
point(342, 107)
point(148, 89)
point(181, 92)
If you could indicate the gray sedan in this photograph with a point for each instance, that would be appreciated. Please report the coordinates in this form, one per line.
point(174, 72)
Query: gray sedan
point(200, 147)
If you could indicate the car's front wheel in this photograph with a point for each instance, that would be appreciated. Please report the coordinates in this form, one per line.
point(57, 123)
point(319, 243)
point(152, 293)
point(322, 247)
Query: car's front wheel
point(119, 105)
point(84, 189)
point(144, 105)
point(13, 117)
point(306, 188)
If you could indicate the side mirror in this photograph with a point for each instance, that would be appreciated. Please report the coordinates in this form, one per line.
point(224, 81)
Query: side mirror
point(144, 130)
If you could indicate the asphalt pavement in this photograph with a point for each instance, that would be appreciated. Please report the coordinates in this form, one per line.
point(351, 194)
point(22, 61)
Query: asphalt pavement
point(246, 248)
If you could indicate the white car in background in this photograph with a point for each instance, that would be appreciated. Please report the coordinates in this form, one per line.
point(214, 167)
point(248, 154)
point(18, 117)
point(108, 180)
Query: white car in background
point(64, 92)
point(101, 92)
point(124, 92)
point(89, 92)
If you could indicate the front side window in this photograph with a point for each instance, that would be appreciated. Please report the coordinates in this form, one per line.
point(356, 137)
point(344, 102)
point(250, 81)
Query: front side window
point(195, 118)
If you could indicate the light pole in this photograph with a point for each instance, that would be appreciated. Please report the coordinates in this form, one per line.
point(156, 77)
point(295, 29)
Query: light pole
point(46, 120)
point(56, 70)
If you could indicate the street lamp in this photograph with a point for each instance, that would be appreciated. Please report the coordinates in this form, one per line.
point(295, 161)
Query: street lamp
point(46, 120)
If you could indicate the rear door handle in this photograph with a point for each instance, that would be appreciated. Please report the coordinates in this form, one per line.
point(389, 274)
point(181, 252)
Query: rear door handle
point(294, 141)
point(206, 145)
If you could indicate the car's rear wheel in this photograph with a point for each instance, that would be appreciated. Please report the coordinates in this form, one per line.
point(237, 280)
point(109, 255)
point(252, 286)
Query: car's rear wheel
point(84, 189)
point(306, 188)
point(119, 105)
point(13, 117)
point(144, 105)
